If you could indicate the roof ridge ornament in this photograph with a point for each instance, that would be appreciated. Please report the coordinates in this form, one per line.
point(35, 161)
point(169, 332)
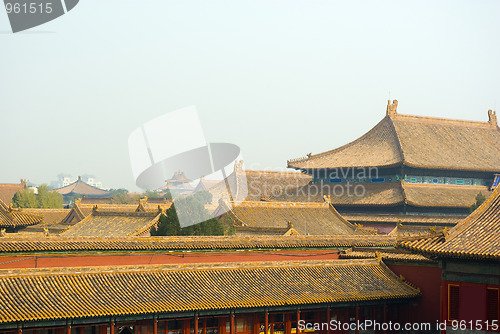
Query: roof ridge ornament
point(492, 118)
point(392, 108)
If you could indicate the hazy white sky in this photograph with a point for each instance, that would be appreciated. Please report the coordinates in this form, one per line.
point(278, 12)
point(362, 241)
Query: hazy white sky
point(278, 78)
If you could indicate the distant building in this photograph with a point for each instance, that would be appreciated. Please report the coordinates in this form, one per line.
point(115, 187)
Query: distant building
point(8, 190)
point(178, 184)
point(65, 180)
point(78, 188)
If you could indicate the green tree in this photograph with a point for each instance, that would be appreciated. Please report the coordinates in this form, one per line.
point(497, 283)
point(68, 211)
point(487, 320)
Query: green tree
point(122, 196)
point(479, 200)
point(44, 199)
point(25, 198)
point(192, 208)
point(168, 224)
point(49, 199)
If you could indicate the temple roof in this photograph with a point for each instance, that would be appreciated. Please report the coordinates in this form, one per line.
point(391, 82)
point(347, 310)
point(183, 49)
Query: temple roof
point(113, 224)
point(304, 218)
point(82, 188)
point(64, 244)
point(8, 190)
point(49, 216)
point(390, 254)
point(427, 220)
point(388, 194)
point(256, 185)
point(477, 236)
point(12, 218)
point(416, 141)
point(61, 293)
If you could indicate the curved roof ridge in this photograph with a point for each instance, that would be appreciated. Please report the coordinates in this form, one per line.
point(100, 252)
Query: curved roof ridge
point(470, 219)
point(379, 127)
point(274, 172)
point(280, 204)
point(335, 150)
point(344, 220)
point(398, 139)
point(444, 120)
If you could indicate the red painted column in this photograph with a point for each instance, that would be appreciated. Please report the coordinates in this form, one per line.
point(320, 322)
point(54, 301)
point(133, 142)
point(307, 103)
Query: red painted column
point(112, 327)
point(231, 323)
point(195, 324)
point(19, 330)
point(68, 328)
point(266, 321)
point(155, 325)
point(205, 326)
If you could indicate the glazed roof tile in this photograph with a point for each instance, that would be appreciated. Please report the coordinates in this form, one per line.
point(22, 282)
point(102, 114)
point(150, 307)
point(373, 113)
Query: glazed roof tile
point(415, 141)
point(305, 218)
point(428, 220)
point(64, 244)
point(8, 190)
point(12, 218)
point(477, 236)
point(113, 224)
point(387, 194)
point(82, 188)
point(107, 291)
point(391, 254)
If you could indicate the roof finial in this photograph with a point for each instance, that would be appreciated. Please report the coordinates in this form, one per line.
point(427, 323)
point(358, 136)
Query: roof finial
point(492, 118)
point(392, 108)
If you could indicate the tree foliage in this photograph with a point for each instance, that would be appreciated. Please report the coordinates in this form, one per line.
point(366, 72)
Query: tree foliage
point(122, 196)
point(479, 200)
point(44, 199)
point(192, 208)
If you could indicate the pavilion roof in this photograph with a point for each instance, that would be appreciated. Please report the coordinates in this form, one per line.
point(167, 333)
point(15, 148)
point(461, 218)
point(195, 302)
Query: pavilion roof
point(416, 141)
point(477, 236)
point(304, 218)
point(61, 293)
point(8, 190)
point(388, 194)
point(424, 220)
point(256, 185)
point(12, 218)
point(113, 224)
point(82, 188)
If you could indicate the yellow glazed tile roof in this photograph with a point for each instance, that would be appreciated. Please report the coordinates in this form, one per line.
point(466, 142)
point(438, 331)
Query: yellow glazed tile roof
point(113, 224)
point(305, 218)
point(477, 236)
point(43, 294)
point(11, 218)
point(60, 243)
point(388, 194)
point(386, 254)
point(428, 220)
point(415, 141)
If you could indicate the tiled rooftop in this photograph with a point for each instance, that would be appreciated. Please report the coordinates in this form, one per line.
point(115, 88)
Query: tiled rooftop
point(43, 294)
point(415, 141)
point(63, 244)
point(477, 236)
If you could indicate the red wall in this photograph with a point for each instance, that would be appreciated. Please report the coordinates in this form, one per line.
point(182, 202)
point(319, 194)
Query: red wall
point(428, 280)
point(108, 259)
